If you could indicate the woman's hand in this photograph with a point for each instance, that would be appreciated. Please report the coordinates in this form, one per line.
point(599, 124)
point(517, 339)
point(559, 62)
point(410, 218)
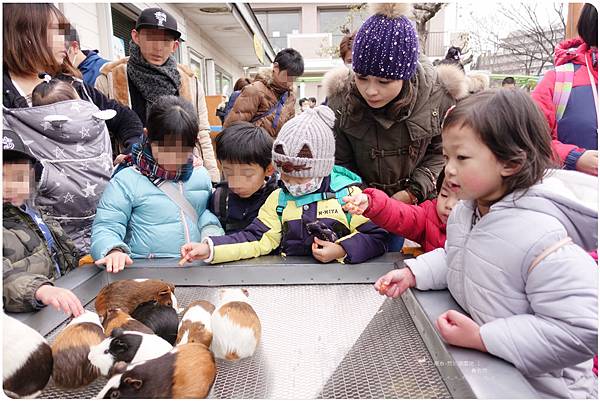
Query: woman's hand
point(394, 283)
point(115, 261)
point(588, 162)
point(60, 298)
point(329, 251)
point(460, 330)
point(194, 251)
point(356, 204)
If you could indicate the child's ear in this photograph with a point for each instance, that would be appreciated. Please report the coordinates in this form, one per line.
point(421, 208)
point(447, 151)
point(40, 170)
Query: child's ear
point(269, 171)
point(512, 167)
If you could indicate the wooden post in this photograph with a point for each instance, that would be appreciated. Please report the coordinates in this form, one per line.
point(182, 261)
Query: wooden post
point(572, 18)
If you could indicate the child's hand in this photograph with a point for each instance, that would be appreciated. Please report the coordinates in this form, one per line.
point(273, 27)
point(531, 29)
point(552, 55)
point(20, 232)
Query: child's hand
point(356, 204)
point(115, 261)
point(588, 162)
point(460, 330)
point(194, 251)
point(394, 283)
point(60, 298)
point(329, 251)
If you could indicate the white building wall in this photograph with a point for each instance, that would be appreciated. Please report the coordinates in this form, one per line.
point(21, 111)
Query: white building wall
point(84, 17)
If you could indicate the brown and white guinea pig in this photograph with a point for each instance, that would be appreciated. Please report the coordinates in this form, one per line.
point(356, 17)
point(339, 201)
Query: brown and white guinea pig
point(26, 359)
point(128, 294)
point(70, 349)
point(235, 325)
point(127, 346)
point(117, 318)
point(195, 324)
point(161, 319)
point(187, 371)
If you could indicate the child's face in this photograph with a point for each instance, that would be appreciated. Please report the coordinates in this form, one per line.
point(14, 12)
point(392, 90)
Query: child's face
point(245, 179)
point(171, 154)
point(17, 178)
point(472, 171)
point(376, 91)
point(445, 202)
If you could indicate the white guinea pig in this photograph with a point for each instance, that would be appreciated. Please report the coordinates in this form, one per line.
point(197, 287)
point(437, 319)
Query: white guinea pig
point(26, 359)
point(235, 325)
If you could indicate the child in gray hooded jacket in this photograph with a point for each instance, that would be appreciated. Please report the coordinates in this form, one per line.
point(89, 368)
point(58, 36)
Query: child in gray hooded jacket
point(515, 257)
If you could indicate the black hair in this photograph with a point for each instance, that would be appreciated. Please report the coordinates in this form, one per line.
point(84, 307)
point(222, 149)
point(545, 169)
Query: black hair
point(172, 116)
point(508, 81)
point(302, 101)
point(244, 143)
point(513, 127)
point(587, 26)
point(54, 91)
point(73, 36)
point(313, 99)
point(440, 181)
point(291, 61)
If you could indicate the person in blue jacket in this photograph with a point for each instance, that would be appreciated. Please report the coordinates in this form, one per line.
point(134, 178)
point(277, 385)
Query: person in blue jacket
point(86, 61)
point(156, 200)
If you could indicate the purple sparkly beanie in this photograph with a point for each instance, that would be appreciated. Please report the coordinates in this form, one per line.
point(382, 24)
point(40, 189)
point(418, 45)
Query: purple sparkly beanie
point(386, 45)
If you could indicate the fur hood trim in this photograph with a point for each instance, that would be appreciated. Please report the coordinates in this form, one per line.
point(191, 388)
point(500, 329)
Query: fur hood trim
point(451, 77)
point(478, 82)
point(111, 66)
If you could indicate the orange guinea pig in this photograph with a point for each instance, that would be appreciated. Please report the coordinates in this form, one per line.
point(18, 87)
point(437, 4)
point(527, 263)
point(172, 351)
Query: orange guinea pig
point(128, 294)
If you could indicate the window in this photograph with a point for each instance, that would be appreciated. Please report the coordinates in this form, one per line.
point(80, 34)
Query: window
point(122, 26)
point(197, 66)
point(223, 81)
point(330, 20)
point(277, 25)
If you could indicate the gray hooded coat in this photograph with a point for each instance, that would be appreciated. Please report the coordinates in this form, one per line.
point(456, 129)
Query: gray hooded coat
point(71, 141)
point(540, 317)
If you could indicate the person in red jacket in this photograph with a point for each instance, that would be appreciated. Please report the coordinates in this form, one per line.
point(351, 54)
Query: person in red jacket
point(573, 114)
point(424, 223)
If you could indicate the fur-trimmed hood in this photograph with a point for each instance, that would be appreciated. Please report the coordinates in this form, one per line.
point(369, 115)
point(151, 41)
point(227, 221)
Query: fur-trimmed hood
point(450, 77)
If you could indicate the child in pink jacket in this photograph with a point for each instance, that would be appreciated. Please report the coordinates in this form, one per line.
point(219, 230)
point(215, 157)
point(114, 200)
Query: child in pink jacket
point(424, 223)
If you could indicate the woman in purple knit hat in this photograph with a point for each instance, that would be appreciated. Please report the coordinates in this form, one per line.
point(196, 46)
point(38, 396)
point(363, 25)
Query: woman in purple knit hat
point(389, 109)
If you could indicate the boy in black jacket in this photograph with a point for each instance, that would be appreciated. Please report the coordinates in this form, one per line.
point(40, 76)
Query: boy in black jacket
point(244, 152)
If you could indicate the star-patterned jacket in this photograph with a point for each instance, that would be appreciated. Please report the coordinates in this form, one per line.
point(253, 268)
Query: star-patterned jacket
point(72, 141)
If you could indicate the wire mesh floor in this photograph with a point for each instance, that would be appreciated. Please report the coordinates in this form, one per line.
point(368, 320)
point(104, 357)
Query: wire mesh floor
point(319, 341)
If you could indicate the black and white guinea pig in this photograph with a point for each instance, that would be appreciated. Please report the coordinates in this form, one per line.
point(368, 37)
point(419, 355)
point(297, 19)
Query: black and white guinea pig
point(117, 318)
point(70, 349)
point(195, 324)
point(26, 359)
point(127, 346)
point(235, 325)
point(161, 319)
point(187, 371)
point(128, 294)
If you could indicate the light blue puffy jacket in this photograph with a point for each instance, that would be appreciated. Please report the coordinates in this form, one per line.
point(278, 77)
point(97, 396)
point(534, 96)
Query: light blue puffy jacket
point(136, 216)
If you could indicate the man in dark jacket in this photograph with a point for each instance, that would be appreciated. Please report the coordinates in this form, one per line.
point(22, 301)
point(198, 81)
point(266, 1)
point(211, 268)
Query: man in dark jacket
point(35, 249)
point(86, 61)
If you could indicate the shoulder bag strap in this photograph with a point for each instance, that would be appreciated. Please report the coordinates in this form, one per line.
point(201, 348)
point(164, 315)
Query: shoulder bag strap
point(169, 189)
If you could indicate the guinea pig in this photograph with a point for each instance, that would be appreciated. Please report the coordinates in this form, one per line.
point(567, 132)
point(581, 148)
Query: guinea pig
point(161, 319)
point(195, 324)
point(128, 294)
point(127, 346)
point(116, 318)
point(187, 371)
point(70, 349)
point(26, 359)
point(235, 325)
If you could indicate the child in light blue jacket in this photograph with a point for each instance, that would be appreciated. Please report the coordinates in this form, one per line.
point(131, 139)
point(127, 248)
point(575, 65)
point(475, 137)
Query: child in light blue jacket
point(156, 201)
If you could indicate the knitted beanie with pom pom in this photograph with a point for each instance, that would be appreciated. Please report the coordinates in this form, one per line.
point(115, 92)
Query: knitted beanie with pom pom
point(386, 45)
point(305, 146)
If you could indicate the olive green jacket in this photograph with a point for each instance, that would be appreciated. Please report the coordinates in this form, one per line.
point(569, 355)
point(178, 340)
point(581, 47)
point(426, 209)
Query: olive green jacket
point(26, 260)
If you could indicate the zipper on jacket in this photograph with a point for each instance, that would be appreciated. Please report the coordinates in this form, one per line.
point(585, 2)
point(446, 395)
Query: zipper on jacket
point(186, 230)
